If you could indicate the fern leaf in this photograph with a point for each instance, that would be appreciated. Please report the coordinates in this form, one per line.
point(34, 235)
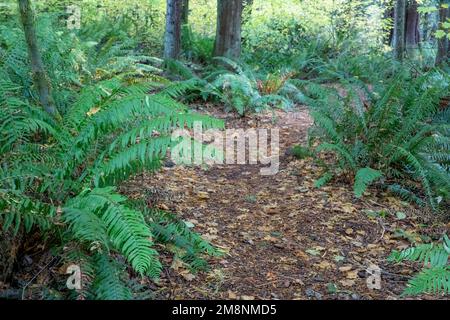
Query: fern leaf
point(108, 284)
point(434, 281)
point(364, 177)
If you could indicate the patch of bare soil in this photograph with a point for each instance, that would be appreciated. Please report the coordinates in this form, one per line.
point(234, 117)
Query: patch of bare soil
point(283, 238)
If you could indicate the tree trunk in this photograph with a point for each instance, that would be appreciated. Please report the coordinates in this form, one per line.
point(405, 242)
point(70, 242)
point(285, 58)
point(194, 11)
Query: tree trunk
point(184, 11)
point(228, 34)
point(412, 27)
point(443, 43)
point(172, 36)
point(399, 29)
point(40, 78)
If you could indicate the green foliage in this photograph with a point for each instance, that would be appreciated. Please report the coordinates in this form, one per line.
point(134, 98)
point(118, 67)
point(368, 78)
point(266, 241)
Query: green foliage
point(179, 238)
point(239, 90)
point(109, 284)
point(197, 47)
point(393, 128)
point(300, 152)
point(274, 41)
point(363, 178)
point(235, 85)
point(60, 176)
point(435, 275)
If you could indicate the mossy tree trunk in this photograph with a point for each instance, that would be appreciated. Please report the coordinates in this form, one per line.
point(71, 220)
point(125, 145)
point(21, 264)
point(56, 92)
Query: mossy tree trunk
point(399, 28)
point(412, 36)
point(40, 77)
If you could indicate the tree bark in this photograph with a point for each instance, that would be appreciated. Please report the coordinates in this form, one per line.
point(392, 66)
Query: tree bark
point(443, 43)
point(40, 77)
point(172, 36)
point(228, 34)
point(399, 29)
point(412, 27)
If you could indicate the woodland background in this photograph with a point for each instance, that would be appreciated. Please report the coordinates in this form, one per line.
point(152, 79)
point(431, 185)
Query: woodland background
point(90, 92)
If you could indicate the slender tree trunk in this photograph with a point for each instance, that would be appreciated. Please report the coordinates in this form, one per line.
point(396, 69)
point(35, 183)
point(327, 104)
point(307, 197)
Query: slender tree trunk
point(399, 28)
point(185, 11)
point(412, 28)
point(40, 78)
point(228, 34)
point(172, 36)
point(443, 43)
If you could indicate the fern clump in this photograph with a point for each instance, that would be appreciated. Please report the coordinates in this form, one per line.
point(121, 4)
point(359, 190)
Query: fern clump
point(435, 275)
point(390, 132)
point(61, 175)
point(239, 90)
point(235, 86)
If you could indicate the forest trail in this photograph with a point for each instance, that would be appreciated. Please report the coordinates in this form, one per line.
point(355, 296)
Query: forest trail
point(283, 238)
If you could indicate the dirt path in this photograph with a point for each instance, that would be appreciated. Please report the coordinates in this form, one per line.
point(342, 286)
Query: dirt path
point(284, 239)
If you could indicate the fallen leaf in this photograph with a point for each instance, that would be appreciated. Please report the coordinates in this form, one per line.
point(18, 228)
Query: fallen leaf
point(348, 208)
point(188, 276)
point(313, 252)
point(339, 258)
point(345, 268)
point(203, 195)
point(324, 265)
point(352, 275)
point(347, 283)
point(400, 215)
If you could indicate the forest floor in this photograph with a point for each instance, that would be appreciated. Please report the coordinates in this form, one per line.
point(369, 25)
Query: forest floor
point(283, 238)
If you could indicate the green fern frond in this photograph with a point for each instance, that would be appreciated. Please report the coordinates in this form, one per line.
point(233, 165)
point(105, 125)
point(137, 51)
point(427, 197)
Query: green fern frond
point(435, 275)
point(405, 194)
point(327, 177)
point(433, 255)
point(338, 149)
point(327, 125)
point(125, 227)
point(364, 177)
point(433, 281)
point(18, 209)
point(145, 154)
point(109, 282)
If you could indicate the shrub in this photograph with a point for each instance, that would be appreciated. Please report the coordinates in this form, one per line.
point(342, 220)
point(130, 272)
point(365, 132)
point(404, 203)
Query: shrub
point(273, 42)
point(197, 47)
point(394, 131)
point(60, 176)
point(240, 90)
